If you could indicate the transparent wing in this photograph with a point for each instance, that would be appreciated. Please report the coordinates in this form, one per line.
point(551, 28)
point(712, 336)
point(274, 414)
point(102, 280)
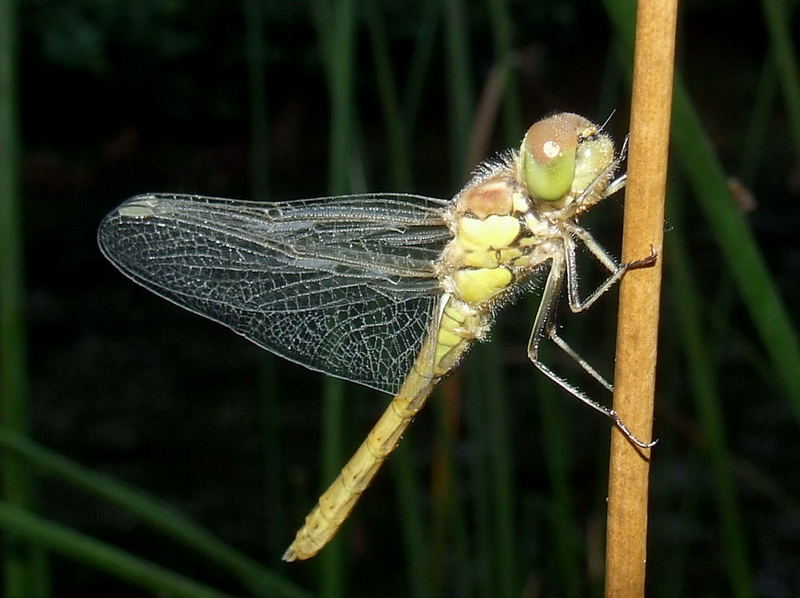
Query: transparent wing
point(343, 285)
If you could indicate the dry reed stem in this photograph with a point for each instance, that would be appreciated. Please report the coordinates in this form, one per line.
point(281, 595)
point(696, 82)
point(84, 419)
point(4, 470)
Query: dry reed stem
point(637, 332)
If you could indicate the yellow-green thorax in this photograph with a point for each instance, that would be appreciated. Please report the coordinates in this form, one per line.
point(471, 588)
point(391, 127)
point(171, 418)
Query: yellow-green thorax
point(514, 216)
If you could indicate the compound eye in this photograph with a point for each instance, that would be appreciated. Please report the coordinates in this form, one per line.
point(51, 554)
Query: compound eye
point(548, 155)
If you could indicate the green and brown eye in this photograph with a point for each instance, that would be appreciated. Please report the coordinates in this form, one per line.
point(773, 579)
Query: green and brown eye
point(548, 154)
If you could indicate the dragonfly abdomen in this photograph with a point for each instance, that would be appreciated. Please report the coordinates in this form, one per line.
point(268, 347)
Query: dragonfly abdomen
point(338, 500)
point(451, 334)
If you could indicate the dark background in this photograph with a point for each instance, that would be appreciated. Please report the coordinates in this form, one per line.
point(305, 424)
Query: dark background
point(117, 99)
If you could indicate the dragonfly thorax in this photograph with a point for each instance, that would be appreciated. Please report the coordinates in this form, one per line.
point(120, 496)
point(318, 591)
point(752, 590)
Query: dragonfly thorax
point(496, 230)
point(517, 213)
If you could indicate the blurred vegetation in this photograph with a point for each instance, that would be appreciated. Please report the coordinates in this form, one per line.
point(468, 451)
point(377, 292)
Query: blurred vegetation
point(146, 451)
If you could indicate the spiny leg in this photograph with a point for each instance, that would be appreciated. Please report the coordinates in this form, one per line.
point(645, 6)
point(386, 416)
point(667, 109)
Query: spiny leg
point(587, 367)
point(544, 326)
point(545, 320)
point(577, 304)
point(615, 185)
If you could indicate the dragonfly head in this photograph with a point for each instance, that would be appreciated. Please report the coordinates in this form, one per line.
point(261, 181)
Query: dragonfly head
point(565, 159)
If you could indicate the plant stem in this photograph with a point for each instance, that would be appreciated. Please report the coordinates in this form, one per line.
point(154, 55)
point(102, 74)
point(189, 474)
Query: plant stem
point(336, 27)
point(152, 512)
point(58, 538)
point(709, 407)
point(637, 332)
point(24, 565)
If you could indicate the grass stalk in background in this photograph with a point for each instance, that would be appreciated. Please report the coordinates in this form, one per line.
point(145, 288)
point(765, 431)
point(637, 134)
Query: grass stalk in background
point(450, 560)
point(496, 406)
point(396, 126)
point(332, 580)
point(421, 60)
point(739, 248)
point(637, 327)
point(103, 556)
point(152, 512)
point(676, 561)
point(476, 407)
point(460, 90)
point(337, 45)
point(499, 491)
point(756, 135)
point(786, 63)
point(503, 39)
point(448, 510)
point(781, 61)
point(402, 463)
point(341, 65)
point(701, 377)
point(25, 571)
point(566, 552)
point(409, 502)
point(256, 64)
point(277, 531)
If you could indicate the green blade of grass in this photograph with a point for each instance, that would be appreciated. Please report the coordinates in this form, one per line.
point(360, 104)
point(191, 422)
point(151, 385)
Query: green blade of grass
point(450, 552)
point(699, 366)
point(739, 247)
point(503, 38)
point(409, 500)
point(786, 63)
point(25, 570)
point(341, 71)
point(409, 495)
point(159, 516)
point(259, 138)
point(501, 460)
point(497, 425)
point(420, 61)
point(103, 556)
point(561, 516)
point(460, 90)
point(476, 409)
point(332, 581)
point(449, 512)
point(336, 36)
point(259, 185)
point(387, 90)
point(756, 136)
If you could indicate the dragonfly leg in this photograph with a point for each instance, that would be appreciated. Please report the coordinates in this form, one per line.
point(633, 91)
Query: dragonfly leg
point(544, 325)
point(577, 304)
point(587, 367)
point(615, 185)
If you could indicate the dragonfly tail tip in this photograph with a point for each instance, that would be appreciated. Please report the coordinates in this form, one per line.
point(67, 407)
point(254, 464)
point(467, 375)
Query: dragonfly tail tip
point(289, 555)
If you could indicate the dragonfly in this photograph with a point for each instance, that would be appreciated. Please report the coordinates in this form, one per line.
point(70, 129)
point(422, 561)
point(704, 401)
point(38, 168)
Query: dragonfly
point(387, 290)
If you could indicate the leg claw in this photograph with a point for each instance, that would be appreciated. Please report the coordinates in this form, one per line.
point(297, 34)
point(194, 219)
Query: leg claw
point(645, 262)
